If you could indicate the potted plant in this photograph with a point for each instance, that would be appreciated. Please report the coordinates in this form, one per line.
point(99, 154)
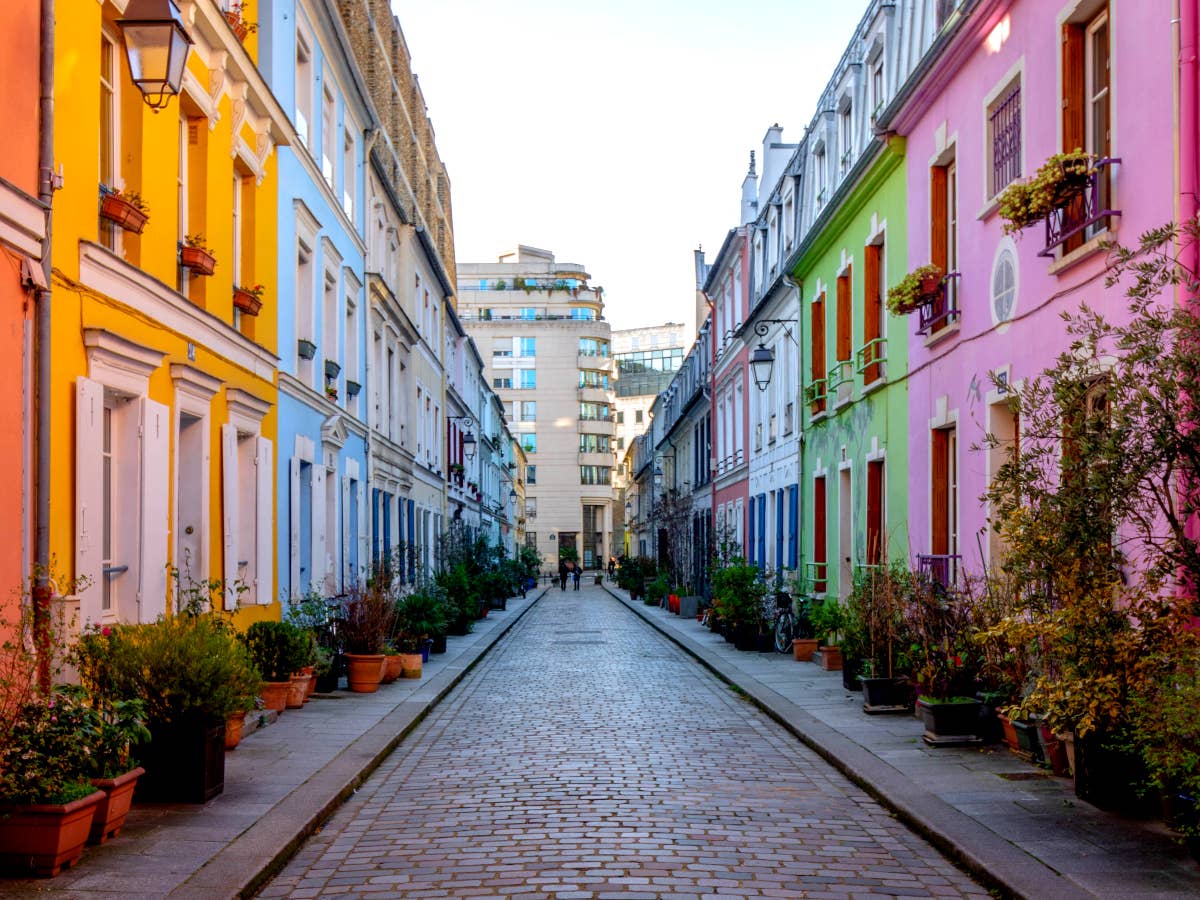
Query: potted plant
point(195, 256)
point(235, 15)
point(738, 594)
point(126, 209)
point(878, 599)
point(462, 597)
point(364, 625)
point(47, 802)
point(331, 392)
point(828, 619)
point(1057, 182)
point(191, 672)
point(277, 649)
point(119, 725)
point(352, 388)
point(919, 287)
point(305, 348)
point(418, 615)
point(248, 299)
point(804, 644)
point(944, 667)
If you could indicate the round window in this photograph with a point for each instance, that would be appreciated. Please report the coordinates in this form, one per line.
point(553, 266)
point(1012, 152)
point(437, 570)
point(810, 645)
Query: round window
point(1004, 285)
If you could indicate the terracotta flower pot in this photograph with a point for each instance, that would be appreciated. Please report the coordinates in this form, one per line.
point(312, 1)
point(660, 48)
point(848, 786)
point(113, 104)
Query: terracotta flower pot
point(275, 694)
point(410, 665)
point(44, 837)
point(112, 810)
point(310, 671)
point(297, 690)
point(363, 672)
point(199, 260)
point(233, 729)
point(804, 648)
point(831, 659)
point(122, 213)
point(391, 668)
point(248, 303)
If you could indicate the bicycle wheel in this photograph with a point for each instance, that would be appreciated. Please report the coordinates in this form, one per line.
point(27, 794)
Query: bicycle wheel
point(783, 633)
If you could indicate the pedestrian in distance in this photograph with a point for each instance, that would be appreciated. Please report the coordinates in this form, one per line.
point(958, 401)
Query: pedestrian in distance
point(575, 572)
point(612, 567)
point(562, 575)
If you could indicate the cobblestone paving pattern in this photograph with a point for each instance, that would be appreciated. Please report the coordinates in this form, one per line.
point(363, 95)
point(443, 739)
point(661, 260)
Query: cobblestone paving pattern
point(587, 757)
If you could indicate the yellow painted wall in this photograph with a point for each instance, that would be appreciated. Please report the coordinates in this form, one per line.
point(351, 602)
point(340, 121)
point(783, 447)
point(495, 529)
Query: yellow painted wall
point(148, 164)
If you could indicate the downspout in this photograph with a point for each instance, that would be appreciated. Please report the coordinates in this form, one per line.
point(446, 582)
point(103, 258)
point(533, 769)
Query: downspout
point(42, 590)
point(712, 408)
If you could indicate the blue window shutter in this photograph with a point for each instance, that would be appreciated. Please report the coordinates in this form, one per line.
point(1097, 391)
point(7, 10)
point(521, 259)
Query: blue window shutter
point(750, 545)
point(779, 529)
point(762, 530)
point(412, 555)
point(374, 526)
point(794, 526)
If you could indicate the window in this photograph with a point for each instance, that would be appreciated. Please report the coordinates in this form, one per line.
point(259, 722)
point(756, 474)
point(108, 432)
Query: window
point(583, 314)
point(943, 495)
point(531, 508)
point(529, 444)
point(528, 379)
point(589, 378)
point(638, 416)
point(620, 443)
point(593, 347)
point(846, 135)
point(109, 128)
point(844, 317)
point(819, 176)
point(305, 326)
point(593, 411)
point(1004, 138)
point(528, 346)
point(817, 403)
point(621, 417)
point(873, 313)
point(502, 383)
point(877, 85)
point(943, 242)
point(530, 473)
point(874, 512)
point(593, 443)
point(531, 540)
point(328, 136)
point(329, 327)
point(528, 410)
point(502, 347)
point(820, 546)
point(528, 312)
point(349, 172)
point(595, 475)
point(304, 88)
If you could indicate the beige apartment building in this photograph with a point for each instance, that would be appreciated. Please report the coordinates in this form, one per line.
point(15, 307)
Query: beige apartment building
point(547, 354)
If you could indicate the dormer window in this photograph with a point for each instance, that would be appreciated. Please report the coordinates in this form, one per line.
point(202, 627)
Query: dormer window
point(819, 175)
point(846, 133)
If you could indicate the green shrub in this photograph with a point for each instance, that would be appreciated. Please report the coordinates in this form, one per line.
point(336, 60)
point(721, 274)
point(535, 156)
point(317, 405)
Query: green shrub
point(278, 649)
point(738, 594)
point(418, 615)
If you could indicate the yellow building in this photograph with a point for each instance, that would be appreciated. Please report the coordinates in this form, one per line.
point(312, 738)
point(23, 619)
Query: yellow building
point(163, 389)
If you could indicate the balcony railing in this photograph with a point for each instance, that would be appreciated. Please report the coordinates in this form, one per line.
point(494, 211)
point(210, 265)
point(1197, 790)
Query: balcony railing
point(1084, 210)
point(817, 574)
point(942, 310)
point(940, 569)
point(814, 396)
point(840, 374)
point(869, 359)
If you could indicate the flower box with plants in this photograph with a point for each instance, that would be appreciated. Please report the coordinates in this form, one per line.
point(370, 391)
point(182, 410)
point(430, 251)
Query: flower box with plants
point(195, 256)
point(331, 392)
point(1056, 184)
point(125, 209)
point(248, 299)
point(235, 15)
point(352, 388)
point(918, 288)
point(305, 348)
point(190, 672)
point(120, 725)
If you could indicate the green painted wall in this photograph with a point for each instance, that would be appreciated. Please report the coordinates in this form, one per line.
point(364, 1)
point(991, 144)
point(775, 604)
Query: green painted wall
point(867, 423)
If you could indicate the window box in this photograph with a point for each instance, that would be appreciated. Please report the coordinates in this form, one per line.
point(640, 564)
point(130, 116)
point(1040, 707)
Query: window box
point(126, 211)
point(352, 389)
point(199, 260)
point(939, 310)
point(1078, 206)
point(305, 348)
point(248, 300)
point(332, 368)
point(814, 396)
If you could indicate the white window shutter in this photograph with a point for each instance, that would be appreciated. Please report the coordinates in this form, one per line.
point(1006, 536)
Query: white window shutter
point(347, 575)
point(264, 530)
point(156, 492)
point(362, 532)
point(229, 502)
point(317, 582)
point(89, 497)
point(294, 527)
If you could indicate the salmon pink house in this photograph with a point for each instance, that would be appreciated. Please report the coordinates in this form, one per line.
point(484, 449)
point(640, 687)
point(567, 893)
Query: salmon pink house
point(1007, 84)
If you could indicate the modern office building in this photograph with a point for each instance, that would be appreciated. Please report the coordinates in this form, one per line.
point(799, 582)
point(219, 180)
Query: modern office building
point(547, 354)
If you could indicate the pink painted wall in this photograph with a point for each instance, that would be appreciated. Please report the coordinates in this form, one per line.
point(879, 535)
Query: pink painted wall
point(19, 43)
point(732, 362)
point(951, 376)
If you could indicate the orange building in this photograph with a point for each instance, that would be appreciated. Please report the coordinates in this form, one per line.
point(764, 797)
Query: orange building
point(22, 226)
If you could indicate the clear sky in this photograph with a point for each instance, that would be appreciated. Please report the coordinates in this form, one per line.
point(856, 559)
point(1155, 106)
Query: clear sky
point(615, 133)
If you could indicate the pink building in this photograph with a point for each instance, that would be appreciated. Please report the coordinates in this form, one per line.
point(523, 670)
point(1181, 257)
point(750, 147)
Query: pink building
point(728, 289)
point(1015, 81)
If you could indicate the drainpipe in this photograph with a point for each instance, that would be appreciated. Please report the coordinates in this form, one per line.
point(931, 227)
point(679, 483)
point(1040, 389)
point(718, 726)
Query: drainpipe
point(42, 591)
point(712, 406)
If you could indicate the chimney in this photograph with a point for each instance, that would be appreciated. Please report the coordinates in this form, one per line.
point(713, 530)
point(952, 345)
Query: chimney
point(750, 194)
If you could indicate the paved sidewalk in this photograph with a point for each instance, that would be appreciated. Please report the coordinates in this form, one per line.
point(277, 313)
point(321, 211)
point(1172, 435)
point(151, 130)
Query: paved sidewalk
point(1007, 821)
point(281, 783)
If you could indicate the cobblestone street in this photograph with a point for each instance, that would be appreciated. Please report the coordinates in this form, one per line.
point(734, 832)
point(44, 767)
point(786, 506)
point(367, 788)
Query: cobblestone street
point(588, 757)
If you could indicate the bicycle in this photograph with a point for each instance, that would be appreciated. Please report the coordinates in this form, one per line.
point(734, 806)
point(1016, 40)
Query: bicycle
point(785, 622)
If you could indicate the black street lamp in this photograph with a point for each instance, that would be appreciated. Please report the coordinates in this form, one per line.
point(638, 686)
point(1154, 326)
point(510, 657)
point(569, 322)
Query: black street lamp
point(762, 358)
point(156, 46)
point(469, 441)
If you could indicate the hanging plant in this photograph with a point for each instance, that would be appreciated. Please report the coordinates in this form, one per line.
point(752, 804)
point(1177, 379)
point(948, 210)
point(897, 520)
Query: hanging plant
point(1056, 183)
point(914, 290)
